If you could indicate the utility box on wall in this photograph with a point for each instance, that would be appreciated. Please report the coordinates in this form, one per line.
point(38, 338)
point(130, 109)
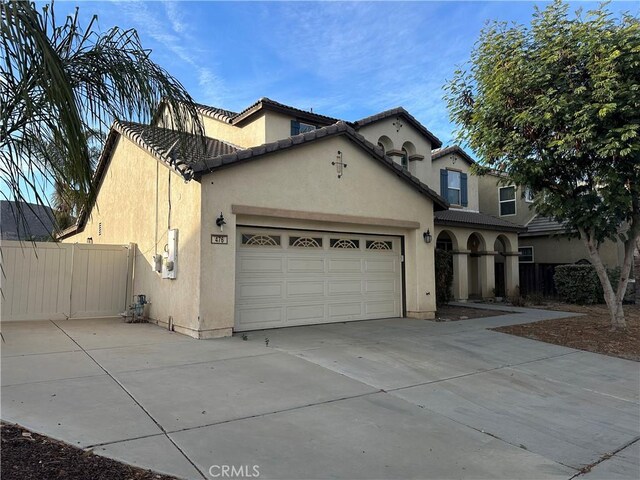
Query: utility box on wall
point(170, 256)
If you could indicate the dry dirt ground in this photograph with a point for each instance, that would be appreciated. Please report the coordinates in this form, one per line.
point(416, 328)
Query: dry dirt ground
point(29, 456)
point(450, 313)
point(591, 332)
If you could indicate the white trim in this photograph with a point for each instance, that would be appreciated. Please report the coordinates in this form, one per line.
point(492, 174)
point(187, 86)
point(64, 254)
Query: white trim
point(533, 258)
point(515, 203)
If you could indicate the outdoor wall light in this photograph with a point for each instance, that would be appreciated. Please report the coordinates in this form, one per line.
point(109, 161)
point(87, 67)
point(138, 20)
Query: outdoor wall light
point(220, 221)
point(427, 236)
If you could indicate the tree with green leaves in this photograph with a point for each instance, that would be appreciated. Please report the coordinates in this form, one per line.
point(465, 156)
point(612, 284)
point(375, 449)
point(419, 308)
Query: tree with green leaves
point(555, 106)
point(59, 81)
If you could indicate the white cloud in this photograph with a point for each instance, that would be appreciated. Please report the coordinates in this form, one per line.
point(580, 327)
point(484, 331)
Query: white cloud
point(169, 27)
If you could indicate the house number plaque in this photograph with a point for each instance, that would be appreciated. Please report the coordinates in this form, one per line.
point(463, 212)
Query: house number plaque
point(219, 239)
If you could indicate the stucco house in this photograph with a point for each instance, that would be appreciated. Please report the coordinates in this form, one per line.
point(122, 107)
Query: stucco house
point(545, 244)
point(287, 217)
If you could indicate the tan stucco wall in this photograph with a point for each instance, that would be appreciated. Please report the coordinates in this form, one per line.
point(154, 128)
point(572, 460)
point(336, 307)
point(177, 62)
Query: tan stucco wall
point(251, 134)
point(126, 207)
point(386, 127)
point(455, 162)
point(488, 200)
point(562, 249)
point(303, 179)
point(278, 126)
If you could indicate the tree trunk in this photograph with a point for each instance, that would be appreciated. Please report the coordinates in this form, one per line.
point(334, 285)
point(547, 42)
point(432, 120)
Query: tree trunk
point(613, 299)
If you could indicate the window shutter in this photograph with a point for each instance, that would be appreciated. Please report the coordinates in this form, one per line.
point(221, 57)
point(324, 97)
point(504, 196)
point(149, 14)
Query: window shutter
point(295, 127)
point(444, 183)
point(463, 190)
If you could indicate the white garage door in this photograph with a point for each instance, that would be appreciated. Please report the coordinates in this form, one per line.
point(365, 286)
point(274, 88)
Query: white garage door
point(289, 277)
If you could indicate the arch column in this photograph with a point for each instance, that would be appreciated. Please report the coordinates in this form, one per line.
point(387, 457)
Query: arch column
point(460, 275)
point(487, 274)
point(512, 269)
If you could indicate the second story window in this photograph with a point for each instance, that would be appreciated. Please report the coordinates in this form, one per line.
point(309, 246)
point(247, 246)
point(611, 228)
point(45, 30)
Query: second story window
point(405, 159)
point(301, 127)
point(507, 200)
point(453, 187)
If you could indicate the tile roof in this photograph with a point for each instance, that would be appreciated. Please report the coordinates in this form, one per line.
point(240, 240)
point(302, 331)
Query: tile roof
point(166, 145)
point(178, 149)
point(539, 226)
point(215, 112)
point(462, 218)
point(441, 152)
point(399, 111)
point(25, 221)
point(266, 103)
point(263, 103)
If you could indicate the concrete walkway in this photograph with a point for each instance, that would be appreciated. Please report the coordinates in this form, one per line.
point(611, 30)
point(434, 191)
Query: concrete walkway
point(392, 398)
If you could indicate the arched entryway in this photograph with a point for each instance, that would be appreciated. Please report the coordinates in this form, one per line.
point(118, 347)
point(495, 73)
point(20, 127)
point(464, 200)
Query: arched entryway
point(501, 246)
point(476, 247)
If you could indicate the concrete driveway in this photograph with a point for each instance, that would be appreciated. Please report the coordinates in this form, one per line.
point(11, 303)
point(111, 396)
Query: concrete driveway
point(393, 398)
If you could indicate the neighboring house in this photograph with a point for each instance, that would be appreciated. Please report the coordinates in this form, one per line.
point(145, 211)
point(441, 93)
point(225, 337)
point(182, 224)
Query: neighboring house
point(26, 221)
point(545, 244)
point(284, 217)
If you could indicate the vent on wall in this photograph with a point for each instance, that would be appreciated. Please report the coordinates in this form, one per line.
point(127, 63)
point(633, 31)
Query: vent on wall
point(100, 229)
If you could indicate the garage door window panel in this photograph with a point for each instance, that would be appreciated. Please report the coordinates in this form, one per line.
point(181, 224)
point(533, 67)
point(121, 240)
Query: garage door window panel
point(379, 245)
point(305, 242)
point(348, 243)
point(260, 240)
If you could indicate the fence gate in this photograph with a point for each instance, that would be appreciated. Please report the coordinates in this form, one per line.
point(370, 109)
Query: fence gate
point(52, 281)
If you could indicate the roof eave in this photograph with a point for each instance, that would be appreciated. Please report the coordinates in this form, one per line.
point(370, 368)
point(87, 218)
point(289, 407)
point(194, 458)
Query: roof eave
point(500, 228)
point(399, 111)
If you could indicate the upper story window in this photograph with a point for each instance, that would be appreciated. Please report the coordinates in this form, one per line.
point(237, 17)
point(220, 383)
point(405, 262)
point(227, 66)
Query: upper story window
point(507, 200)
point(453, 187)
point(528, 195)
point(405, 159)
point(526, 254)
point(301, 127)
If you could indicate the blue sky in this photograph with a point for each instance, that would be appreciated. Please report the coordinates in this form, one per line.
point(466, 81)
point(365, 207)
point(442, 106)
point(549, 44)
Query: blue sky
point(343, 59)
point(346, 60)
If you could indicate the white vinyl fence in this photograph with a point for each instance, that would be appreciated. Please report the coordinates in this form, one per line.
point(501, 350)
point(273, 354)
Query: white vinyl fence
point(52, 281)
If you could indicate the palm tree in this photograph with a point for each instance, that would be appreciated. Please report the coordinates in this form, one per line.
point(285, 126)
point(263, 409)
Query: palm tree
point(66, 199)
point(58, 81)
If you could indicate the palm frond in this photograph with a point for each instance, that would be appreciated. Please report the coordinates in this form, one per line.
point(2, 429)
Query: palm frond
point(58, 82)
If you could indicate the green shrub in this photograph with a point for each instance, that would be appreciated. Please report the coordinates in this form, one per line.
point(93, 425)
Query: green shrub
point(578, 284)
point(444, 276)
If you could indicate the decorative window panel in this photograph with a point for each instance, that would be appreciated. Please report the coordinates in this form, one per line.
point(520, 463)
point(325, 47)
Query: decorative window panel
point(260, 240)
point(305, 242)
point(379, 245)
point(344, 243)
